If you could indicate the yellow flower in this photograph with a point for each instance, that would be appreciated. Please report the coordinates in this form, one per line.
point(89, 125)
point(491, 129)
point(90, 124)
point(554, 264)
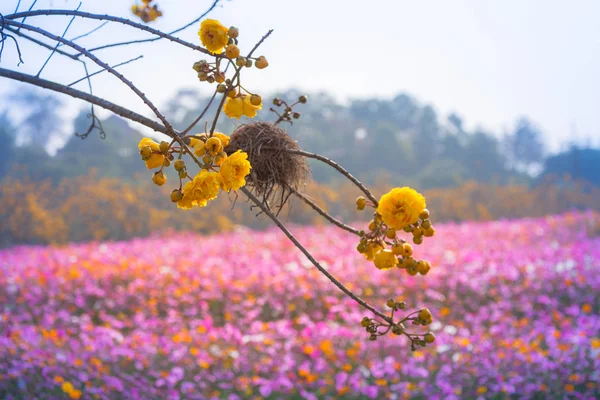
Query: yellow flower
point(222, 137)
point(233, 108)
point(156, 159)
point(241, 105)
point(372, 249)
point(234, 170)
point(213, 35)
point(213, 146)
point(250, 109)
point(385, 259)
point(204, 187)
point(198, 146)
point(401, 207)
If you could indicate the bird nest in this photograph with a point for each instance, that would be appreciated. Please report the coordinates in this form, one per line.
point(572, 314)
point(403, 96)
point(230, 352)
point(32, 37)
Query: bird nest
point(276, 171)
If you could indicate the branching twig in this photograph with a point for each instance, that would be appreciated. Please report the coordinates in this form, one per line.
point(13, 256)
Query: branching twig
point(88, 33)
point(161, 37)
point(323, 213)
point(57, 44)
point(57, 87)
point(40, 43)
point(340, 169)
point(170, 131)
point(108, 18)
point(306, 253)
point(104, 69)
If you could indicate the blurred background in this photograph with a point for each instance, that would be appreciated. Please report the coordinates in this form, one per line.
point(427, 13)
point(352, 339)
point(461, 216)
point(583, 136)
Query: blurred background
point(468, 102)
point(108, 291)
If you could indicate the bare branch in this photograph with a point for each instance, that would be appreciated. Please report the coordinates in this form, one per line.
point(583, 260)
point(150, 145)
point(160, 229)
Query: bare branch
point(102, 64)
point(109, 18)
point(40, 43)
point(340, 169)
point(293, 239)
point(102, 70)
point(204, 14)
point(119, 110)
point(323, 213)
point(88, 33)
point(57, 44)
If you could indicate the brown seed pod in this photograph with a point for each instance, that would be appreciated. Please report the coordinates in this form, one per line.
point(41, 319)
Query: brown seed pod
point(275, 172)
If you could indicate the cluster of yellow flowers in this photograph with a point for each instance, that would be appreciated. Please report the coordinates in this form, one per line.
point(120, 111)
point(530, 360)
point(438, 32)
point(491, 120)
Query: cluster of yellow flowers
point(145, 12)
point(218, 170)
point(401, 209)
point(218, 39)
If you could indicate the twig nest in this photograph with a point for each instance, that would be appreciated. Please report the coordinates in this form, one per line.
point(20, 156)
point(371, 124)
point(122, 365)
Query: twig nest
point(275, 171)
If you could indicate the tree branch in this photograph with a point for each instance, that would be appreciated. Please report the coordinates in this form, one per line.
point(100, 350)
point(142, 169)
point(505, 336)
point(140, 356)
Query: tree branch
point(102, 64)
point(57, 87)
point(102, 70)
point(108, 18)
point(293, 239)
point(158, 38)
point(323, 213)
point(339, 168)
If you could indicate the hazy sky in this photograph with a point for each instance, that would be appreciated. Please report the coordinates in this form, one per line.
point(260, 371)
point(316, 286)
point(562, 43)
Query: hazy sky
point(490, 61)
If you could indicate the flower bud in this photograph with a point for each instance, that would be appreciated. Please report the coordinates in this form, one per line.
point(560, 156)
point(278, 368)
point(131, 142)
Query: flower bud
point(159, 178)
point(145, 152)
point(255, 100)
point(261, 62)
point(164, 146)
point(249, 63)
point(233, 32)
point(303, 99)
point(391, 303)
point(361, 203)
point(219, 77)
point(366, 321)
point(296, 115)
point(207, 159)
point(222, 88)
point(203, 76)
point(176, 195)
point(179, 165)
point(429, 337)
point(219, 158)
point(182, 174)
point(232, 51)
point(166, 163)
point(240, 61)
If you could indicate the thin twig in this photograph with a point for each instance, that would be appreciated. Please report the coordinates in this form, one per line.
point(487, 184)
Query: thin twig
point(158, 38)
point(119, 110)
point(323, 213)
point(30, 8)
point(89, 33)
point(57, 44)
point(40, 43)
point(102, 70)
point(104, 65)
point(109, 18)
point(340, 169)
point(293, 239)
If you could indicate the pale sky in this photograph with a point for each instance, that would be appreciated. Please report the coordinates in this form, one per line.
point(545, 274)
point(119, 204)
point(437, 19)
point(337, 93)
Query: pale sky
point(489, 61)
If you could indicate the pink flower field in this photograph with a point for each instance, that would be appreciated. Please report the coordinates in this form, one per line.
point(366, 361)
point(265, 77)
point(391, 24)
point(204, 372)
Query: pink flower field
point(244, 315)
